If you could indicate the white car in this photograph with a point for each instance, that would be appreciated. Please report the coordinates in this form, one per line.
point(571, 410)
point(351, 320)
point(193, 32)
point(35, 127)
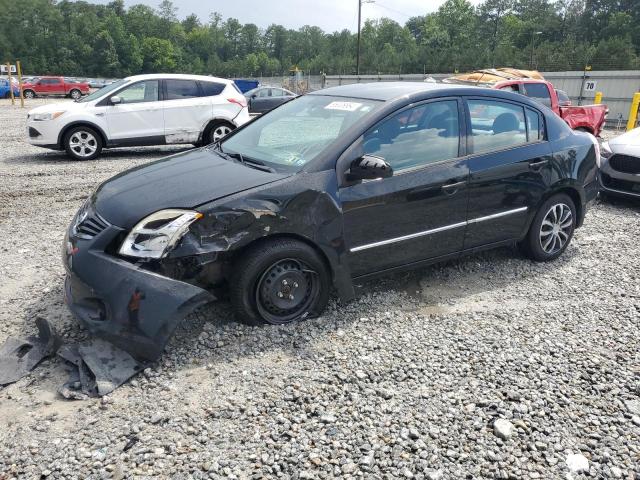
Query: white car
point(156, 109)
point(620, 165)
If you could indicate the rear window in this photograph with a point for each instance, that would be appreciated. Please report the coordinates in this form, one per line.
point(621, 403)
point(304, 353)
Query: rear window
point(534, 125)
point(180, 89)
point(540, 93)
point(210, 89)
point(496, 125)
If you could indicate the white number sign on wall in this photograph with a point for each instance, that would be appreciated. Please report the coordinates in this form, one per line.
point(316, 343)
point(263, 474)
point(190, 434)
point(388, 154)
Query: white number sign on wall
point(590, 86)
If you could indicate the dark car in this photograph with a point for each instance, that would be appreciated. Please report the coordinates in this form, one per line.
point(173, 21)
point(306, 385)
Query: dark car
point(264, 99)
point(333, 188)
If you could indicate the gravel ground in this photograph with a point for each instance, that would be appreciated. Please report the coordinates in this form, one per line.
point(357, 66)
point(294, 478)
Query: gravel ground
point(487, 367)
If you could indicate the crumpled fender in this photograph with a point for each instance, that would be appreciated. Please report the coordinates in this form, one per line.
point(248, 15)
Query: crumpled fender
point(304, 209)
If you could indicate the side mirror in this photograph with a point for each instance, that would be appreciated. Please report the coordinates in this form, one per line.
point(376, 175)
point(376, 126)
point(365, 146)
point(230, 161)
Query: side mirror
point(115, 100)
point(369, 167)
point(255, 95)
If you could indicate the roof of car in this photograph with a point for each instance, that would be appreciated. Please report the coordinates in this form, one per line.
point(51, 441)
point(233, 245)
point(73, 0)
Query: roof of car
point(382, 90)
point(178, 76)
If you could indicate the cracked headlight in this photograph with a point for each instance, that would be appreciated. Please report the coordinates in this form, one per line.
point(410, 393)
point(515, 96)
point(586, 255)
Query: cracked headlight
point(158, 233)
point(40, 117)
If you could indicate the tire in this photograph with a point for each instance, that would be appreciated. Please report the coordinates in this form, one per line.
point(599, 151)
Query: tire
point(82, 143)
point(29, 94)
point(75, 94)
point(269, 276)
point(551, 230)
point(216, 131)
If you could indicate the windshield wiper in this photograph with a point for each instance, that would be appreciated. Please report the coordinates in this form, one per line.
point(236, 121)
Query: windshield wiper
point(250, 162)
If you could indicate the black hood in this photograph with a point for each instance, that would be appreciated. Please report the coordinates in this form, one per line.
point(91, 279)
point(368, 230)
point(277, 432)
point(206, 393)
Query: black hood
point(185, 180)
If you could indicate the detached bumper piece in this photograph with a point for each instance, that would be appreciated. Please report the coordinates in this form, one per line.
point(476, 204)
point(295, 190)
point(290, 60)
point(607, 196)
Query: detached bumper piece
point(97, 369)
point(19, 356)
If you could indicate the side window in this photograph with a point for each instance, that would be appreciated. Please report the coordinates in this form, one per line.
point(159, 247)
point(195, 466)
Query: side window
point(539, 92)
point(264, 92)
point(417, 136)
point(211, 89)
point(276, 92)
point(496, 125)
point(534, 125)
point(140, 92)
point(180, 89)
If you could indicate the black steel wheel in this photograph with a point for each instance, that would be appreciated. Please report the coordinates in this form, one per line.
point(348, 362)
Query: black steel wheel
point(279, 281)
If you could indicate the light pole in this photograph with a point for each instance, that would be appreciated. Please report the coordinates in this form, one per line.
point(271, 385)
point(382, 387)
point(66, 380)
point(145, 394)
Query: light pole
point(533, 36)
point(360, 2)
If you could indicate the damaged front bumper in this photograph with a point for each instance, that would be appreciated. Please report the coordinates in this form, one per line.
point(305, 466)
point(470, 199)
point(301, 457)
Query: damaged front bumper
point(133, 308)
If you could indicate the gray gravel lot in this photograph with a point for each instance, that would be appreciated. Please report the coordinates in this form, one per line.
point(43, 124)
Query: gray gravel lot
point(487, 367)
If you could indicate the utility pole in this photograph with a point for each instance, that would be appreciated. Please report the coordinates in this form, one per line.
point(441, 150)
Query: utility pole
point(358, 54)
point(533, 36)
point(360, 2)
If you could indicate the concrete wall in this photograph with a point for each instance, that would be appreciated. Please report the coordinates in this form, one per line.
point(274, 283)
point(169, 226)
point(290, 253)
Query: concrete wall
point(617, 87)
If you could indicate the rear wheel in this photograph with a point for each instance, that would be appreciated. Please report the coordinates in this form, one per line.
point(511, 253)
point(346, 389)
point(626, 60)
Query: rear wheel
point(29, 94)
point(279, 281)
point(75, 94)
point(82, 143)
point(551, 230)
point(216, 131)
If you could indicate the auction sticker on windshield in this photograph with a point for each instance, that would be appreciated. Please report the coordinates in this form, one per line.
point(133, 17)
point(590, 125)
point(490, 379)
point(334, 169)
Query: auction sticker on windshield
point(346, 106)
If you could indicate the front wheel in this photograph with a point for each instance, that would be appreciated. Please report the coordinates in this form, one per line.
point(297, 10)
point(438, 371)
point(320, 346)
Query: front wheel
point(82, 143)
point(29, 94)
point(551, 230)
point(279, 281)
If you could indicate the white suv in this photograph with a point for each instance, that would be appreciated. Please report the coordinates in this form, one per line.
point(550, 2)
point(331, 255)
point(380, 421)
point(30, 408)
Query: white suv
point(155, 109)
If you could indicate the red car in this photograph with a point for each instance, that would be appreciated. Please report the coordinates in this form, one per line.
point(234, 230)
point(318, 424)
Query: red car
point(588, 118)
point(55, 86)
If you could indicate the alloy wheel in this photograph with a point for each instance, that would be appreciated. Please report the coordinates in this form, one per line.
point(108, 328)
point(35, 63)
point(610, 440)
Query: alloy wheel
point(29, 94)
point(83, 144)
point(286, 290)
point(556, 228)
point(219, 132)
point(75, 94)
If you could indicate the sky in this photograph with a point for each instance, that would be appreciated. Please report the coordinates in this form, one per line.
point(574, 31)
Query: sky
point(330, 15)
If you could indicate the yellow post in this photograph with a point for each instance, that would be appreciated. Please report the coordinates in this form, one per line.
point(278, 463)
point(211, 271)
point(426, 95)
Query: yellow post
point(19, 71)
point(633, 113)
point(13, 100)
point(598, 99)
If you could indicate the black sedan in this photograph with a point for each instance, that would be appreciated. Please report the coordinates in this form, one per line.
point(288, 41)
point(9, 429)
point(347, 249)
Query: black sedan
point(264, 99)
point(330, 189)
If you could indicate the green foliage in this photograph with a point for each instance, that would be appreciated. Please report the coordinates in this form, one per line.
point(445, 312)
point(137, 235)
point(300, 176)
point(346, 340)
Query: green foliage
point(79, 38)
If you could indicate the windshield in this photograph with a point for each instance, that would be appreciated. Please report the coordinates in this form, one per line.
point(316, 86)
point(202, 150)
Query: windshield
point(295, 133)
point(103, 91)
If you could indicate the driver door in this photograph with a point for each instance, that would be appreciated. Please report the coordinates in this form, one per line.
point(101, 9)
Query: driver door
point(420, 212)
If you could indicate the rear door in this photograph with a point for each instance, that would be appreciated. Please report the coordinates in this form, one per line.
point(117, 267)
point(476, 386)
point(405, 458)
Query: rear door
point(186, 110)
point(139, 118)
point(509, 167)
point(420, 212)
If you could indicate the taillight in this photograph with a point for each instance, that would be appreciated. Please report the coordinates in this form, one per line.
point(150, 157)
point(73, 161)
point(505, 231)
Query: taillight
point(242, 103)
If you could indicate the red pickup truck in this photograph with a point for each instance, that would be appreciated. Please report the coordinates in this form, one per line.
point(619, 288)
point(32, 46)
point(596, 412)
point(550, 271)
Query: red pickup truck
point(55, 86)
point(588, 118)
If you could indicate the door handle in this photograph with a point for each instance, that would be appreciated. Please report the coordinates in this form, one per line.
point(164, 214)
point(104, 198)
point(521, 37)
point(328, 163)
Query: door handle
point(452, 188)
point(537, 165)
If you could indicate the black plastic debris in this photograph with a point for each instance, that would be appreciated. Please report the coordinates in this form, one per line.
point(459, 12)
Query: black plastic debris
point(19, 356)
point(97, 369)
